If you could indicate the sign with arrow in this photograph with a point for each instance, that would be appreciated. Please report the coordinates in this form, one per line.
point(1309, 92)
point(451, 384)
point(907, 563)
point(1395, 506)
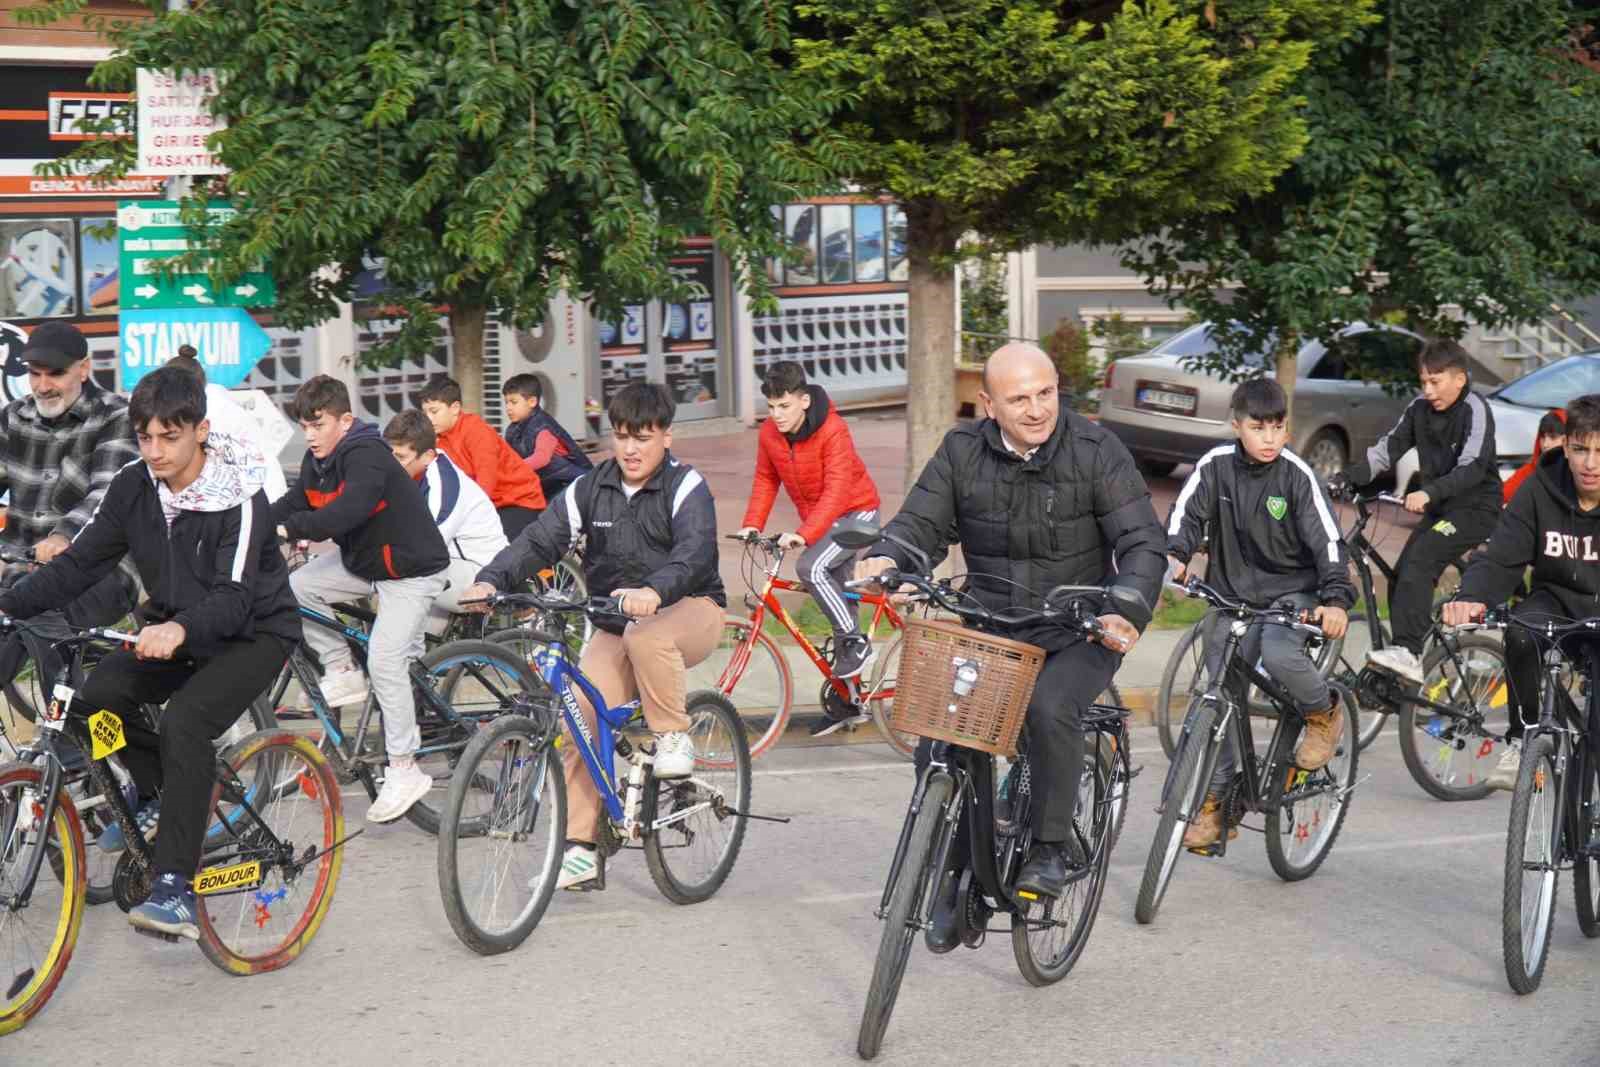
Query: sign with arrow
point(149, 232)
point(227, 341)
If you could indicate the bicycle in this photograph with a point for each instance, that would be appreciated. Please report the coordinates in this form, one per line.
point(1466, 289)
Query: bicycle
point(271, 860)
point(966, 732)
point(1304, 809)
point(1554, 823)
point(492, 680)
point(689, 829)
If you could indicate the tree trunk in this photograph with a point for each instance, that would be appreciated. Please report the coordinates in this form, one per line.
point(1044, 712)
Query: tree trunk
point(1287, 366)
point(466, 334)
point(931, 340)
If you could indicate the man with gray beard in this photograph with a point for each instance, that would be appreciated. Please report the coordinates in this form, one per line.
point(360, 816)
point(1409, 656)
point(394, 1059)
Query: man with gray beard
point(59, 449)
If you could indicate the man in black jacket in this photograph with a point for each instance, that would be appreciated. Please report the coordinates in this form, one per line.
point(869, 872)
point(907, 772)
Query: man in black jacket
point(1553, 526)
point(1037, 497)
point(1452, 430)
point(223, 624)
point(651, 527)
point(353, 491)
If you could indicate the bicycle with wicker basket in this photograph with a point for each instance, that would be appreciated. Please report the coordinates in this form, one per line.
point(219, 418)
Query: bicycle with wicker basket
point(967, 691)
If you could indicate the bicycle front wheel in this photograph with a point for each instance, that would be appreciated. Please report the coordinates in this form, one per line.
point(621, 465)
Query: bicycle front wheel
point(1528, 904)
point(1182, 803)
point(1449, 757)
point(276, 809)
point(1586, 836)
point(695, 826)
point(1305, 809)
point(1183, 676)
point(908, 903)
point(750, 670)
point(881, 698)
point(500, 849)
point(37, 939)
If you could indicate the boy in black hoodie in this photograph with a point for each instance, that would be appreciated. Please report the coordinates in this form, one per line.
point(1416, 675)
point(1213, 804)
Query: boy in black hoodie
point(220, 622)
point(1552, 525)
point(1272, 542)
point(354, 492)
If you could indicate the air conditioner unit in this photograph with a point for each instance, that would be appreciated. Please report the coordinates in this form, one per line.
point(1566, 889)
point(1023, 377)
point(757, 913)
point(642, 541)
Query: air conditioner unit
point(557, 351)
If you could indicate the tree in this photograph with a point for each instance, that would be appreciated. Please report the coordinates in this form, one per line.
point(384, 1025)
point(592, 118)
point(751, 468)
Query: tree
point(1452, 160)
point(1023, 121)
point(491, 153)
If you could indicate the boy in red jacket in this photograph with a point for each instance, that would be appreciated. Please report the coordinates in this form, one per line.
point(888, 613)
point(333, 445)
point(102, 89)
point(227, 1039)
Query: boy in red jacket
point(806, 447)
point(482, 455)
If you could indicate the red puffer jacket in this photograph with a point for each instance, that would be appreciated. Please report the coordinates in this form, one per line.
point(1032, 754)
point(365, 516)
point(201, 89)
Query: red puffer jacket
point(818, 467)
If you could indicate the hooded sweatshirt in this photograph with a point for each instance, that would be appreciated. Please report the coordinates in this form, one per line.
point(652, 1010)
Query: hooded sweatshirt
point(208, 557)
point(1543, 528)
point(365, 502)
point(817, 465)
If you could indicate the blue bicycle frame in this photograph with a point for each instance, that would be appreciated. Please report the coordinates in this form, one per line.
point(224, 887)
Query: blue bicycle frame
point(559, 675)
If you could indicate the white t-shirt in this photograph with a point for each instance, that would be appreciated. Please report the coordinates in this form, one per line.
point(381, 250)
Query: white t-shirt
point(236, 439)
point(465, 516)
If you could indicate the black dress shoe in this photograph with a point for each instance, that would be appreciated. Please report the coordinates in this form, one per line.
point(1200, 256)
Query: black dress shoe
point(944, 932)
point(1044, 874)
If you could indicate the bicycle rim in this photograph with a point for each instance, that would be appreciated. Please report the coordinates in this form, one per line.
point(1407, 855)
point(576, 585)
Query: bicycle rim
point(1586, 836)
point(748, 668)
point(1532, 853)
point(695, 826)
point(1300, 833)
point(1183, 676)
point(881, 697)
point(36, 941)
point(1449, 757)
point(500, 849)
point(289, 796)
point(1178, 806)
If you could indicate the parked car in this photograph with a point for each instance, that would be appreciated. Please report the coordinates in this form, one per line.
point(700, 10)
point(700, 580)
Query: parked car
point(1168, 414)
point(1517, 408)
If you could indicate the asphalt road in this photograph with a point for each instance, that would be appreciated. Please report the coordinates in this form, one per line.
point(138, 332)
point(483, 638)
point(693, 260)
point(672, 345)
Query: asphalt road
point(1390, 954)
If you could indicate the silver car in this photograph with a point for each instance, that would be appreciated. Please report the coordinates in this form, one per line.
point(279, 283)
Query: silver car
point(1168, 414)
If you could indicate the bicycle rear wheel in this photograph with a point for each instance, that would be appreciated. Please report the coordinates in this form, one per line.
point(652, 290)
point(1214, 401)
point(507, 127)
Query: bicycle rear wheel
point(881, 697)
point(1178, 806)
point(1300, 833)
point(1528, 905)
point(1586, 836)
point(695, 826)
point(37, 940)
point(1358, 641)
point(908, 904)
point(1048, 939)
point(1181, 678)
point(276, 805)
point(1449, 757)
point(497, 861)
point(750, 670)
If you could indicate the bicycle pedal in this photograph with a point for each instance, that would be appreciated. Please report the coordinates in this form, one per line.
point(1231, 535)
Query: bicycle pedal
point(592, 886)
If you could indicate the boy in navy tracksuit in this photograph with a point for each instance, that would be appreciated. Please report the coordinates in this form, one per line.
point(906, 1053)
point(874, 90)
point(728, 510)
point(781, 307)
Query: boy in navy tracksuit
point(541, 441)
point(1273, 541)
point(352, 491)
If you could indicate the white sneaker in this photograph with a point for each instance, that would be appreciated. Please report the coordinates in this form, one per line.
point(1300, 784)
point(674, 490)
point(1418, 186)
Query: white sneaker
point(403, 785)
point(1397, 660)
point(579, 866)
point(1504, 775)
point(345, 686)
point(674, 755)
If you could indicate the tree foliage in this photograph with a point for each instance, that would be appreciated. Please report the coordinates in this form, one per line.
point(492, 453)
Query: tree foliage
point(1451, 160)
point(493, 153)
point(1024, 121)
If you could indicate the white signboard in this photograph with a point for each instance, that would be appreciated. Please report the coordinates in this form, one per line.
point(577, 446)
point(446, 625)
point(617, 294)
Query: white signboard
point(174, 121)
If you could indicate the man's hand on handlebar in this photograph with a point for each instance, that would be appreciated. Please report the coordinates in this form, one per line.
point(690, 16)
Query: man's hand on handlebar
point(476, 598)
point(744, 533)
point(1120, 635)
point(874, 567)
point(639, 603)
point(1334, 620)
point(1461, 612)
point(1416, 502)
point(159, 641)
point(1177, 570)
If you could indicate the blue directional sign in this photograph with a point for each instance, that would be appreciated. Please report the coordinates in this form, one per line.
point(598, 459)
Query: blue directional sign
point(227, 340)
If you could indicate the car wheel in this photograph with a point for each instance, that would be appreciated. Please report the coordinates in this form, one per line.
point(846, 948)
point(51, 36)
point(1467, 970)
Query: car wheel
point(1327, 453)
point(1156, 468)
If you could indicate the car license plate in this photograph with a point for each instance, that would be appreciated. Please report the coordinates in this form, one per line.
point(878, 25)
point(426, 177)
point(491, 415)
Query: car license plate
point(1173, 399)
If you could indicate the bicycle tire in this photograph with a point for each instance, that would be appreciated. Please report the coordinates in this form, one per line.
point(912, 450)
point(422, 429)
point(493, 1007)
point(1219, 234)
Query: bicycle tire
point(1098, 803)
point(278, 756)
point(766, 699)
point(1535, 805)
point(1183, 651)
point(39, 977)
point(449, 666)
point(1369, 721)
point(99, 866)
point(1317, 820)
point(501, 830)
point(566, 579)
point(909, 895)
point(1121, 784)
point(1188, 793)
point(1432, 760)
point(722, 770)
point(1586, 867)
point(881, 700)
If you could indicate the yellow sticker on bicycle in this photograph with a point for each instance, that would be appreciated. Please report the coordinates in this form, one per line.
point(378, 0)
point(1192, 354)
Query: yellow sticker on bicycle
point(105, 733)
point(219, 879)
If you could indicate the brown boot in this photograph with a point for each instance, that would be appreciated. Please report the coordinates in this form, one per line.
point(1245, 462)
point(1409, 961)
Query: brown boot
point(1206, 827)
point(1322, 735)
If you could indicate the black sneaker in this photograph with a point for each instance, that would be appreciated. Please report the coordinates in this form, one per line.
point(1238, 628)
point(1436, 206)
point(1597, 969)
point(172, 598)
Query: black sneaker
point(827, 724)
point(854, 654)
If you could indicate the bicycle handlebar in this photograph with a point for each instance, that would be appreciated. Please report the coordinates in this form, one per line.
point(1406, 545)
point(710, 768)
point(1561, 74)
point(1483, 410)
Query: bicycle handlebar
point(941, 593)
point(1497, 620)
point(593, 606)
point(1294, 620)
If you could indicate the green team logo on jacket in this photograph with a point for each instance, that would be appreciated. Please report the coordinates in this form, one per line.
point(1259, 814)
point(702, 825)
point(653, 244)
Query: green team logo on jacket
point(1277, 507)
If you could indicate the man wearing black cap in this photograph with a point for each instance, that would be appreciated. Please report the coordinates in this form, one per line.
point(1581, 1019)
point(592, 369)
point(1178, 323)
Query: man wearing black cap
point(59, 449)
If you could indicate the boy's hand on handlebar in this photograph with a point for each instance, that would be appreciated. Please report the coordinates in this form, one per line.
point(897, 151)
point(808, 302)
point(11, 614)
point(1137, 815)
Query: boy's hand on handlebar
point(744, 533)
point(1119, 635)
point(1460, 612)
point(1335, 621)
point(791, 540)
point(160, 641)
point(1177, 570)
point(1416, 502)
point(639, 603)
point(481, 592)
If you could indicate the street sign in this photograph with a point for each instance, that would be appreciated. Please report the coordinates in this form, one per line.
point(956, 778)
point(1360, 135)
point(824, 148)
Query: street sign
point(227, 341)
point(148, 232)
point(174, 121)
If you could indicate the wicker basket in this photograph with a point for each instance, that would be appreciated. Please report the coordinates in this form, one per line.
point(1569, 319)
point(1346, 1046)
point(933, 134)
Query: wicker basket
point(990, 717)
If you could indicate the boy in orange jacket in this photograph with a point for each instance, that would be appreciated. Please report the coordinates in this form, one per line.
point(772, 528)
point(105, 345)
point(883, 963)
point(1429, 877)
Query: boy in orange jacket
point(483, 455)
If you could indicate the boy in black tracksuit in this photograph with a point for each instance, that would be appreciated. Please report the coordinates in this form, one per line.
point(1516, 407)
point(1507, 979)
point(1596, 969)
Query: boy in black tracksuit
point(1273, 542)
point(1552, 525)
point(354, 492)
point(542, 442)
point(1452, 430)
point(220, 622)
